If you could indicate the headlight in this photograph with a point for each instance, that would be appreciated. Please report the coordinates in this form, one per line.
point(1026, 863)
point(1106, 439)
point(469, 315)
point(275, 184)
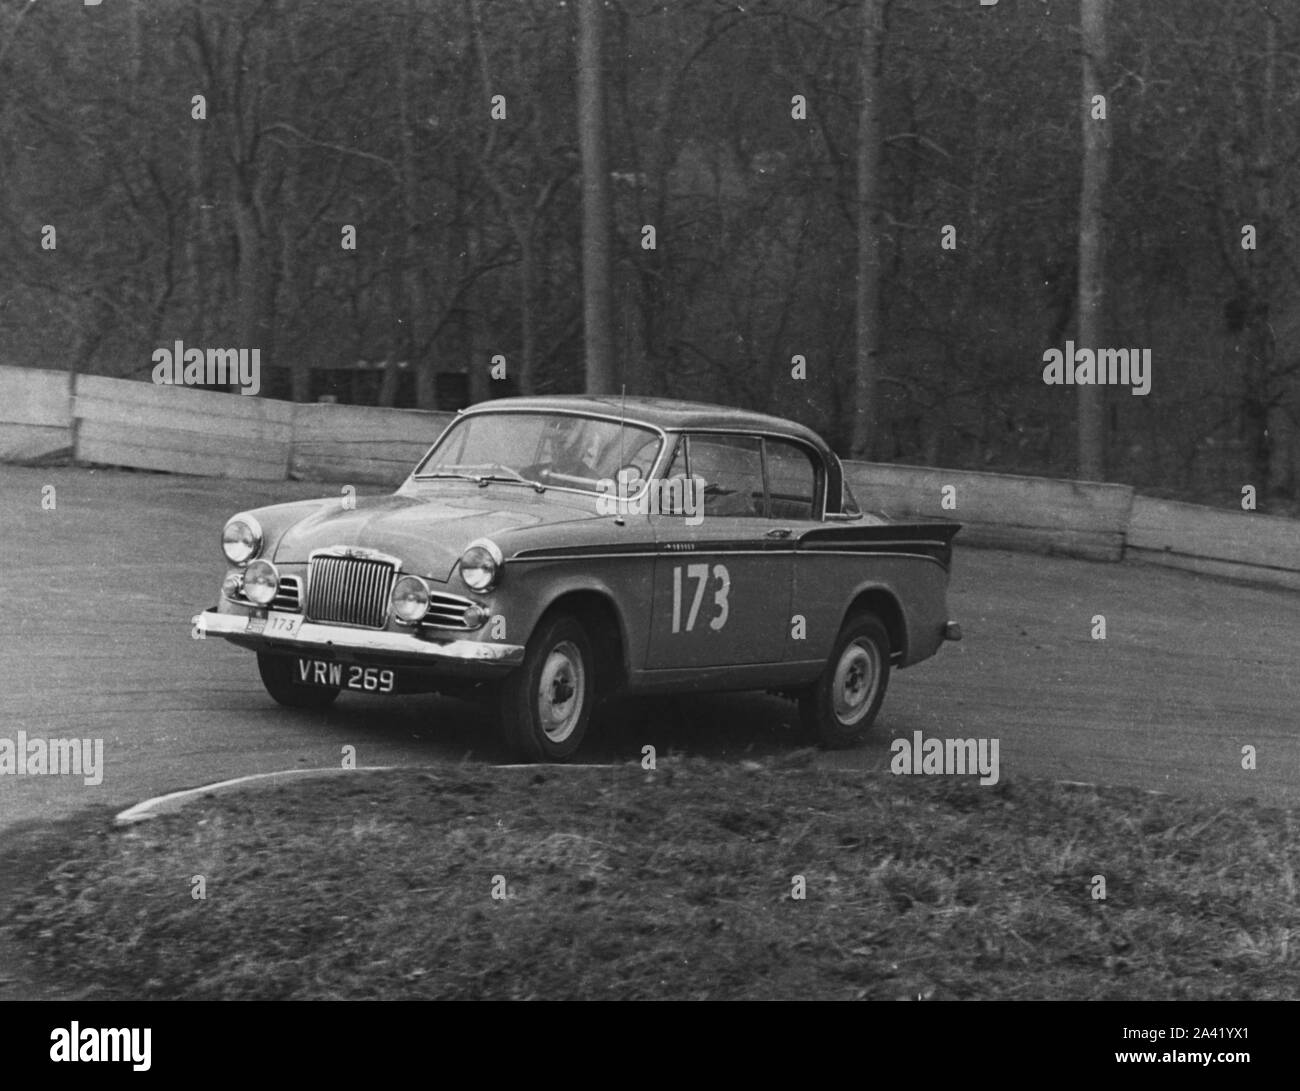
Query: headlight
point(241, 539)
point(261, 581)
point(410, 599)
point(480, 565)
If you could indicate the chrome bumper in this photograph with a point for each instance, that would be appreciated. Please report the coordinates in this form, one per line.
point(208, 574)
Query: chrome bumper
point(367, 643)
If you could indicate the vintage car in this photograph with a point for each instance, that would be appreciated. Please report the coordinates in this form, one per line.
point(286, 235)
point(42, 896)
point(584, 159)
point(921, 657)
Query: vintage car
point(549, 551)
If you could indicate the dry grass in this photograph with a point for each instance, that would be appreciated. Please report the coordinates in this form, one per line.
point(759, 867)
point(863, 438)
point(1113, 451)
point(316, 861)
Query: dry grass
point(672, 884)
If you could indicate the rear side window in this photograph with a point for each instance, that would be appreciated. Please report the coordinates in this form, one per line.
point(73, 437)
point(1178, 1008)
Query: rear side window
point(791, 480)
point(732, 469)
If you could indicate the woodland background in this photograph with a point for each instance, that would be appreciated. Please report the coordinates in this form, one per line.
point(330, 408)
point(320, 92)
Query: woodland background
point(322, 113)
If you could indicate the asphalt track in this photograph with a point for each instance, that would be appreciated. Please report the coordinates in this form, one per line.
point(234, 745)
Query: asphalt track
point(95, 643)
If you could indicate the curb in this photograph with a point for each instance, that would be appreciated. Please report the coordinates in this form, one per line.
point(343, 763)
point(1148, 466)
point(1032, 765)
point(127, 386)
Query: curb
point(173, 801)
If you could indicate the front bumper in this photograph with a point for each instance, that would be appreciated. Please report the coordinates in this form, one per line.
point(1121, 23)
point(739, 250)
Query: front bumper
point(461, 657)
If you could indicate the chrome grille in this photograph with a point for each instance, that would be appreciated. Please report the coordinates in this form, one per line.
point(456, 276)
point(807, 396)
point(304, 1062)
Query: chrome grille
point(447, 611)
point(349, 591)
point(288, 595)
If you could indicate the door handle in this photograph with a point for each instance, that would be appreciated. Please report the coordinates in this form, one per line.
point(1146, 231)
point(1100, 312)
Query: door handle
point(778, 532)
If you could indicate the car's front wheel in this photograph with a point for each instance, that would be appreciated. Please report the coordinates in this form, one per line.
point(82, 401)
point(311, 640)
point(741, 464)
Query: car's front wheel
point(840, 706)
point(277, 673)
point(546, 704)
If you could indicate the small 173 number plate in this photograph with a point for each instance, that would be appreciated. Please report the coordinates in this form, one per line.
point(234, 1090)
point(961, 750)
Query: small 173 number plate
point(274, 623)
point(323, 672)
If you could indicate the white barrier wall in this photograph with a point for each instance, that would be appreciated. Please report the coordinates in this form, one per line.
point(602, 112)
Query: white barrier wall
point(1239, 545)
point(361, 443)
point(184, 431)
point(121, 422)
point(1077, 518)
point(35, 417)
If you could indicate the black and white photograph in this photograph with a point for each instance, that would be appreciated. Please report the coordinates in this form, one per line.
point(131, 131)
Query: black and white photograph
point(651, 500)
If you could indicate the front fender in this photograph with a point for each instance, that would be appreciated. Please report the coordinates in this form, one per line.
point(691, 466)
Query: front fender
point(531, 588)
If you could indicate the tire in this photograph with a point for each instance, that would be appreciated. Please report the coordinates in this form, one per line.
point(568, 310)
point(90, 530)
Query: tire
point(277, 676)
point(838, 709)
point(545, 705)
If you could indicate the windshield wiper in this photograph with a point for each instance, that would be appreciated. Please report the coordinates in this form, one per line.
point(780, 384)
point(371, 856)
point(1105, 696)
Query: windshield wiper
point(510, 475)
point(536, 486)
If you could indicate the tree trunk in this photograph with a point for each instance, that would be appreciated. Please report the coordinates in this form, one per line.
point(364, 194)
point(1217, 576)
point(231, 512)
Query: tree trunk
point(1261, 344)
point(252, 323)
point(596, 285)
point(412, 305)
point(197, 247)
point(1092, 242)
point(477, 366)
point(288, 227)
point(866, 412)
point(254, 287)
point(480, 375)
point(388, 381)
point(527, 316)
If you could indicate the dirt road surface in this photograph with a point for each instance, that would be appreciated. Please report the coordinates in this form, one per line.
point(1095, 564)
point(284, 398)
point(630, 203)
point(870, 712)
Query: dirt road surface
point(95, 643)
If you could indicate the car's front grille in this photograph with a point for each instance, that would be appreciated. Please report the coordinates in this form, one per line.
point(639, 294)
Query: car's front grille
point(349, 591)
point(447, 611)
point(288, 595)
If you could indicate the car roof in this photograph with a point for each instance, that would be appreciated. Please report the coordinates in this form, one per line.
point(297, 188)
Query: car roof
point(666, 413)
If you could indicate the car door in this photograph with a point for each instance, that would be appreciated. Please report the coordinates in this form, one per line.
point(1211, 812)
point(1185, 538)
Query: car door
point(796, 481)
point(722, 580)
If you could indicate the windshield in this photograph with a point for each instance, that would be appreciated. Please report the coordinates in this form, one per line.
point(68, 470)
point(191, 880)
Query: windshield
point(551, 449)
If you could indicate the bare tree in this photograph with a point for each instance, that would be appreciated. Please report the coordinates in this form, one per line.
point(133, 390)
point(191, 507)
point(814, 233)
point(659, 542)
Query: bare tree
point(867, 303)
point(1092, 241)
point(597, 292)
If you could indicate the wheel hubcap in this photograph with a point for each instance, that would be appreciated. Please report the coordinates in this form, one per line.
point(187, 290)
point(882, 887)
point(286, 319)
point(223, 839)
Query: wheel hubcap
point(857, 676)
point(560, 692)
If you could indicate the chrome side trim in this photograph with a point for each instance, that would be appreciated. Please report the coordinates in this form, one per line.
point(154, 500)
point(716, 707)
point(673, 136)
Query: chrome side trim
point(703, 548)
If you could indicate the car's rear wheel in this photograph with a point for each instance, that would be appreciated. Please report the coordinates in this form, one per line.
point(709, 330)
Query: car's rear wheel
point(839, 708)
point(277, 673)
point(546, 704)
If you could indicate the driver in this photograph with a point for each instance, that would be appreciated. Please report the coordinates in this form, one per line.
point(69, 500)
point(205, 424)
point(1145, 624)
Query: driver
point(581, 457)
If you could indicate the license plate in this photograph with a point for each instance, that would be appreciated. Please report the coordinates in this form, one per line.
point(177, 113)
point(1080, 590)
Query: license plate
point(274, 623)
point(323, 672)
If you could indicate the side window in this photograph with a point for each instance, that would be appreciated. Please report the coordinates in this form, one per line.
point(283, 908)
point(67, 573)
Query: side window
point(732, 470)
point(792, 480)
